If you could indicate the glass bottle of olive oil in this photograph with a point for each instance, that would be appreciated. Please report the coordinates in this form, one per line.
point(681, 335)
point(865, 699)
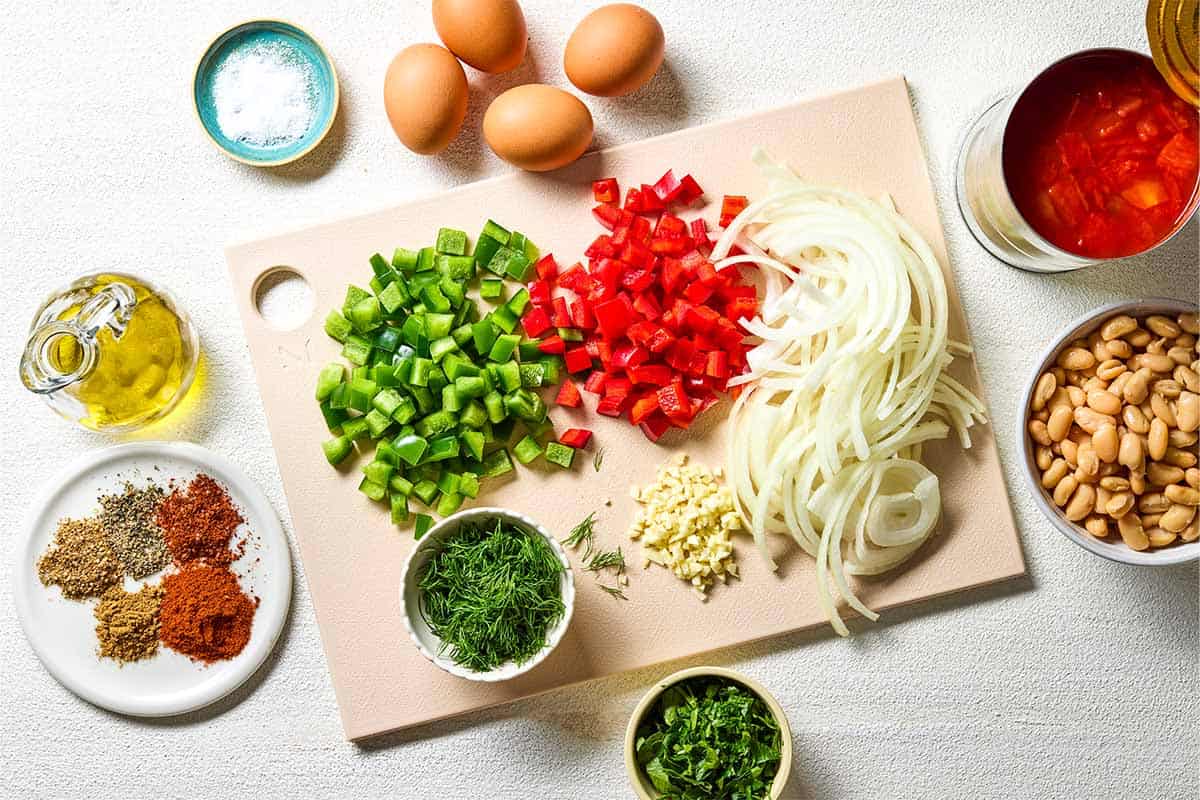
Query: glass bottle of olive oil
point(110, 352)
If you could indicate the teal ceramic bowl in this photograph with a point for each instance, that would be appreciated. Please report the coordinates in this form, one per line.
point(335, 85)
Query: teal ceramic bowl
point(265, 92)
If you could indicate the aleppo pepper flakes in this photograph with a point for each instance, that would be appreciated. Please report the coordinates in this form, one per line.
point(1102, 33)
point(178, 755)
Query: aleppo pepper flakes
point(127, 623)
point(80, 561)
point(198, 522)
point(205, 615)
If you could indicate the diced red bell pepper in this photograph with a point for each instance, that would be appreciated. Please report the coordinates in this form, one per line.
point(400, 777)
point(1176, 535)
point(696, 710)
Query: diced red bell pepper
point(617, 386)
point(666, 187)
point(650, 202)
point(660, 340)
point(603, 351)
point(606, 190)
point(577, 359)
point(642, 408)
point(568, 395)
point(576, 437)
point(640, 230)
point(674, 402)
point(608, 215)
point(581, 315)
point(613, 317)
point(673, 274)
point(547, 267)
point(560, 318)
point(611, 406)
point(595, 382)
point(698, 292)
point(655, 426)
point(554, 345)
point(601, 247)
point(669, 227)
point(570, 278)
point(638, 255)
point(633, 200)
point(741, 308)
point(651, 374)
point(676, 246)
point(535, 322)
point(699, 231)
point(688, 192)
point(647, 305)
point(707, 274)
point(629, 355)
point(731, 206)
point(540, 292)
point(718, 364)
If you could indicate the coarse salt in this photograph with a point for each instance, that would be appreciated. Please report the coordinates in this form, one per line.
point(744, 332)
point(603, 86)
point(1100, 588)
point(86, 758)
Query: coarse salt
point(265, 95)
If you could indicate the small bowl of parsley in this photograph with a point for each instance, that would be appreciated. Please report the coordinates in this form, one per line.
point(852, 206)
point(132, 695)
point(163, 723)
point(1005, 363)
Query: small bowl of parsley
point(487, 594)
point(708, 733)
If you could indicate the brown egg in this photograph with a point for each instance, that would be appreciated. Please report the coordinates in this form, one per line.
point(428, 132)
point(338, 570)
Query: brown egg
point(425, 96)
point(538, 127)
point(487, 34)
point(614, 50)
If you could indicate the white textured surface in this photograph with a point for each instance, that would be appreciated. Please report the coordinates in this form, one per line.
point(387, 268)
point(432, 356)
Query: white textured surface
point(1080, 682)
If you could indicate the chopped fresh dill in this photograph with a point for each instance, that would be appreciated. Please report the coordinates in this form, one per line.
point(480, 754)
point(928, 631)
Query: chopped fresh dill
point(614, 591)
point(584, 533)
point(605, 559)
point(598, 459)
point(491, 594)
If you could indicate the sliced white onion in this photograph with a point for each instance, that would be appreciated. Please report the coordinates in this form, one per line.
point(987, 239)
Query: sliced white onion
point(848, 381)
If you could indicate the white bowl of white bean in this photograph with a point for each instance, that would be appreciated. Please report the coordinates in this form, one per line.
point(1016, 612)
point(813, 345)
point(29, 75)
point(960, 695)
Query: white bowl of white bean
point(1109, 422)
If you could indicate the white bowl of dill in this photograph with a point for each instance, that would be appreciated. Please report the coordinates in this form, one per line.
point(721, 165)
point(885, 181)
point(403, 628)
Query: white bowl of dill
point(487, 594)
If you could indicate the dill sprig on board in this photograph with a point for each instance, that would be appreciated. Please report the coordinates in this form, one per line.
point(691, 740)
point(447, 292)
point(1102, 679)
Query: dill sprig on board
point(598, 459)
point(605, 559)
point(614, 591)
point(597, 560)
point(491, 594)
point(584, 533)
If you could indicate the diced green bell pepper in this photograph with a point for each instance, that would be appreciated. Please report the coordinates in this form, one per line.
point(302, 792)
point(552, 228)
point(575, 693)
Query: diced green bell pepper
point(337, 449)
point(527, 450)
point(337, 326)
point(560, 454)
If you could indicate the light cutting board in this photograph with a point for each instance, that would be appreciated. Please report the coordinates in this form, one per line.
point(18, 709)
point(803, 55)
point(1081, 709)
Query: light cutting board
point(864, 139)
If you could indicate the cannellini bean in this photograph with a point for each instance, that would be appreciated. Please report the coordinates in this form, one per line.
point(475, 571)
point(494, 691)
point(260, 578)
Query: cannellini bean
point(1076, 358)
point(1044, 457)
point(1082, 503)
point(1091, 420)
point(1189, 323)
point(1167, 387)
point(1119, 505)
point(1104, 402)
point(1096, 526)
point(1119, 348)
point(1161, 474)
point(1037, 430)
point(1043, 391)
point(1064, 490)
point(1187, 412)
point(1135, 420)
point(1055, 473)
point(1159, 538)
point(1176, 518)
point(1069, 451)
point(1139, 338)
point(1182, 495)
point(1186, 376)
point(1107, 370)
point(1163, 326)
point(1162, 410)
point(1088, 463)
point(1180, 355)
point(1156, 439)
point(1131, 454)
point(1192, 476)
point(1137, 483)
point(1135, 389)
point(1179, 458)
point(1115, 484)
point(1178, 438)
point(1130, 528)
point(1094, 384)
point(1192, 532)
point(1106, 443)
point(1077, 395)
point(1060, 423)
point(1154, 503)
point(1157, 362)
point(1150, 520)
point(1118, 326)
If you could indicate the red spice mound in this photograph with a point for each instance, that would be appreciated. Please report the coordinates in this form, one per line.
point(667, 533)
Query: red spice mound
point(199, 522)
point(205, 615)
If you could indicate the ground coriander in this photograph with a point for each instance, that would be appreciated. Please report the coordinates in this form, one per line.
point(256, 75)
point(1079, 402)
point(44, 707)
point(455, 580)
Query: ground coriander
point(80, 561)
point(133, 532)
point(127, 623)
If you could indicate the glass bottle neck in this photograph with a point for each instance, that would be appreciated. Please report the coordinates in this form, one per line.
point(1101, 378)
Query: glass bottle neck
point(59, 353)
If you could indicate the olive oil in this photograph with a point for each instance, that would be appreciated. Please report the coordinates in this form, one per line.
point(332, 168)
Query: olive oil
point(111, 352)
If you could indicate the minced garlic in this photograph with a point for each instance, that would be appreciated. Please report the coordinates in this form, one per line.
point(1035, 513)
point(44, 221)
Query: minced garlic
point(685, 524)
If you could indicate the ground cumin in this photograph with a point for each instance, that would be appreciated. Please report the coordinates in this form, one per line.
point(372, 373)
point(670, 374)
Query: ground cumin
point(205, 615)
point(198, 522)
point(127, 623)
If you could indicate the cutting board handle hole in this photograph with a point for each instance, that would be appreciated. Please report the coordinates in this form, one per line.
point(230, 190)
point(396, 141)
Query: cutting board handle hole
point(283, 298)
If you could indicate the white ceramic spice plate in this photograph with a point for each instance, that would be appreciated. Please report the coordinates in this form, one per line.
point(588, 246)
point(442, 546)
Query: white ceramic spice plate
point(61, 631)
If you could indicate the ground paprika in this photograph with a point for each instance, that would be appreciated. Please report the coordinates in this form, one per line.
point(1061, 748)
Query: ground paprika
point(205, 615)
